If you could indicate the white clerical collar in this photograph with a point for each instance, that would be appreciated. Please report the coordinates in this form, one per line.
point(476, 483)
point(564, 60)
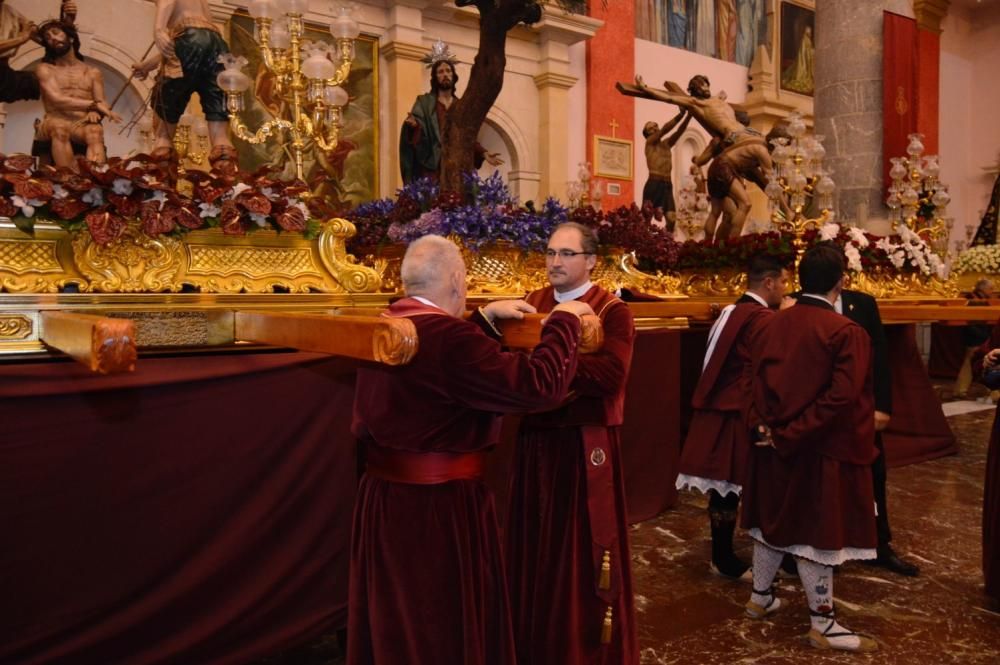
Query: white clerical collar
point(838, 304)
point(824, 299)
point(757, 298)
point(426, 302)
point(572, 295)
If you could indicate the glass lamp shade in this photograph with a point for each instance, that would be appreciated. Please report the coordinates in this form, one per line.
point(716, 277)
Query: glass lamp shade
point(281, 38)
point(798, 181)
point(898, 171)
point(909, 197)
point(318, 66)
point(825, 185)
point(199, 126)
point(916, 146)
point(773, 189)
point(931, 166)
point(941, 198)
point(796, 126)
point(266, 9)
point(335, 96)
point(296, 6)
point(233, 81)
point(344, 26)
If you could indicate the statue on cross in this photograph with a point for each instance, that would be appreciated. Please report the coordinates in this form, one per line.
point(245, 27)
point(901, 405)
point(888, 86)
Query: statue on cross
point(742, 151)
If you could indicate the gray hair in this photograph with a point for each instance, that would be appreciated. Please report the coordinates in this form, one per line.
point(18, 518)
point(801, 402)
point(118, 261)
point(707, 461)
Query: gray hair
point(983, 283)
point(428, 263)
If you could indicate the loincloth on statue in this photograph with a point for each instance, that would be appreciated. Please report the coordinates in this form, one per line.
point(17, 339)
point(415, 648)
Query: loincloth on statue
point(78, 129)
point(194, 68)
point(660, 192)
point(724, 169)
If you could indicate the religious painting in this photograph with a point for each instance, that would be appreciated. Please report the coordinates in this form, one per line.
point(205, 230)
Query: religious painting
point(797, 48)
point(612, 158)
point(729, 30)
point(344, 176)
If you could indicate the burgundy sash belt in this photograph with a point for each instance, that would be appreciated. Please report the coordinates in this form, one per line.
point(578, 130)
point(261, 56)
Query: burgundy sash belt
point(400, 466)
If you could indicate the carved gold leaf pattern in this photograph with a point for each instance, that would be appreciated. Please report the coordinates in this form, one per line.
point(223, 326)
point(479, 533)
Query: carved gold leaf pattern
point(24, 256)
point(135, 263)
point(15, 326)
point(251, 262)
point(352, 276)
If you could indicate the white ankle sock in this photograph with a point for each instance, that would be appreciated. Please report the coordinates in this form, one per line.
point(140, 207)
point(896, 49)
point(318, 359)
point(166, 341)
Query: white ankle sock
point(765, 566)
point(817, 580)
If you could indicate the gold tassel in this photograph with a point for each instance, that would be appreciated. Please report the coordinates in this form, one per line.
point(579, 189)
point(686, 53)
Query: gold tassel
point(606, 629)
point(605, 581)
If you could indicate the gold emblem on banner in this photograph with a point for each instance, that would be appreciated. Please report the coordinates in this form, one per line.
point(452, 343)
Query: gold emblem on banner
point(902, 106)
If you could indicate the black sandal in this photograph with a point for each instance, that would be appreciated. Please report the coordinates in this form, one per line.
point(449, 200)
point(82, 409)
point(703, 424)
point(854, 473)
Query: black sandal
point(821, 640)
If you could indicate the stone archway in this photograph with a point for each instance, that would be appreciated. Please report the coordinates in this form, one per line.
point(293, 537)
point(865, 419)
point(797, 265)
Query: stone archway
point(500, 133)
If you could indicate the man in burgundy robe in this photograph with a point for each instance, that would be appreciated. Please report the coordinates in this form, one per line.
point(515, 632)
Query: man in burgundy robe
point(567, 536)
point(986, 366)
point(427, 577)
point(808, 488)
point(714, 456)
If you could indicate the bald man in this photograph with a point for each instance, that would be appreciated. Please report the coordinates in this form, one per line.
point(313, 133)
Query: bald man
point(427, 579)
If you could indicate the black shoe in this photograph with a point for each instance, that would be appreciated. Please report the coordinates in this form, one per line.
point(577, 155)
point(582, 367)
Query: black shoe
point(889, 560)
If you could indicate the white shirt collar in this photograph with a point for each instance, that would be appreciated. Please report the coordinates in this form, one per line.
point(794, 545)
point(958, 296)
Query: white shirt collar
point(426, 301)
point(757, 298)
point(572, 295)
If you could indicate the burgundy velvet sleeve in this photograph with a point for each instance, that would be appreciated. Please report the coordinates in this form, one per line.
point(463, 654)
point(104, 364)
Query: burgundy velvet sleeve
point(484, 379)
point(851, 369)
point(604, 372)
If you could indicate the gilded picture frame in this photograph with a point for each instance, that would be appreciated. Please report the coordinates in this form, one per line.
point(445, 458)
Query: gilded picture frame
point(612, 157)
point(349, 174)
point(796, 48)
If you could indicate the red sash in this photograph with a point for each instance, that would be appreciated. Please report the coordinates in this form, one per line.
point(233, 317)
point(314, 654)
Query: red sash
point(400, 466)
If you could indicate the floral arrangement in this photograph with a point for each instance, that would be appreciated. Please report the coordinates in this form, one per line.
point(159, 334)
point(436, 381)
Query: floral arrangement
point(485, 212)
point(906, 252)
point(735, 253)
point(631, 228)
point(102, 197)
point(981, 258)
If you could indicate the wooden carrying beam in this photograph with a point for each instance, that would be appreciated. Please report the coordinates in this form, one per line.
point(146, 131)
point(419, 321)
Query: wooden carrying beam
point(944, 314)
point(391, 341)
point(698, 310)
point(526, 333)
point(103, 344)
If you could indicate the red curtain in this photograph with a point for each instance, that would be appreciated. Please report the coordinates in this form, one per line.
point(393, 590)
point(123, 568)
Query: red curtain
point(899, 92)
point(196, 511)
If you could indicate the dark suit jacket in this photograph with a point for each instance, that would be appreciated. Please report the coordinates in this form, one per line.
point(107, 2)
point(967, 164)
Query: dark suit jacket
point(863, 310)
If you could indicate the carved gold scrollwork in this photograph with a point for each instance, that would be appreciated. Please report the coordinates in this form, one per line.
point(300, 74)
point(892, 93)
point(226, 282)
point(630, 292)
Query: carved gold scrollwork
point(395, 341)
point(14, 327)
point(355, 278)
point(132, 264)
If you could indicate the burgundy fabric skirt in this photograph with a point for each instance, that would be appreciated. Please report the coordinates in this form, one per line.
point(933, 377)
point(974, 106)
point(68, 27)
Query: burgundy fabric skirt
point(427, 576)
point(558, 615)
point(810, 500)
point(717, 447)
point(991, 516)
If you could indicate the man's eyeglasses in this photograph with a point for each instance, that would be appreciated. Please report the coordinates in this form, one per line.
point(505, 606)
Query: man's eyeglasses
point(563, 253)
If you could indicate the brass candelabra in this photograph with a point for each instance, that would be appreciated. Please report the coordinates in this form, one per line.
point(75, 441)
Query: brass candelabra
point(917, 197)
point(308, 77)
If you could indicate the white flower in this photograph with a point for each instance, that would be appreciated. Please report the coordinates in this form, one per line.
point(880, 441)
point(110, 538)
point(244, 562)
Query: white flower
point(238, 189)
point(209, 210)
point(858, 236)
point(160, 197)
point(27, 206)
point(269, 193)
point(133, 165)
point(94, 197)
point(59, 192)
point(898, 258)
point(259, 219)
point(829, 231)
point(122, 187)
point(853, 258)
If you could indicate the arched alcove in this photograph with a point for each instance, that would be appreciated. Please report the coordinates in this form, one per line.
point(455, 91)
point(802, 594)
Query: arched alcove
point(691, 143)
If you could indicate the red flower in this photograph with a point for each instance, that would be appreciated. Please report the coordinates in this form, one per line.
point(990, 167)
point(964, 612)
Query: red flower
point(231, 219)
point(292, 219)
point(154, 222)
point(18, 162)
point(126, 206)
point(209, 192)
point(7, 209)
point(104, 226)
point(75, 182)
point(254, 202)
point(68, 207)
point(184, 217)
point(30, 188)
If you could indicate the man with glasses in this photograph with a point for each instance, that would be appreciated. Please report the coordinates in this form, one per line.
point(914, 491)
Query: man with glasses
point(567, 536)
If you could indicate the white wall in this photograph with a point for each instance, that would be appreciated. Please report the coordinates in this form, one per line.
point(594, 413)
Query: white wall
point(658, 62)
point(970, 97)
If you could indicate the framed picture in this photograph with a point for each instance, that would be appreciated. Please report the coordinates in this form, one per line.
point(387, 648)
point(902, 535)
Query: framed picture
point(796, 48)
point(612, 158)
point(344, 176)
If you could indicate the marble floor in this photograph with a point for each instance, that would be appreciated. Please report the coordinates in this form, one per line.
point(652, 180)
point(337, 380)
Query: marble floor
point(687, 615)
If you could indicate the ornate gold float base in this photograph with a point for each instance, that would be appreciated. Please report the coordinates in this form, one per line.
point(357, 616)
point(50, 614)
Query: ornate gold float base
point(206, 261)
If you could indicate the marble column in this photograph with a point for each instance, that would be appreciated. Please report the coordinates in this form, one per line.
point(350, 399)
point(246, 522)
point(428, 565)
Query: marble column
point(848, 104)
